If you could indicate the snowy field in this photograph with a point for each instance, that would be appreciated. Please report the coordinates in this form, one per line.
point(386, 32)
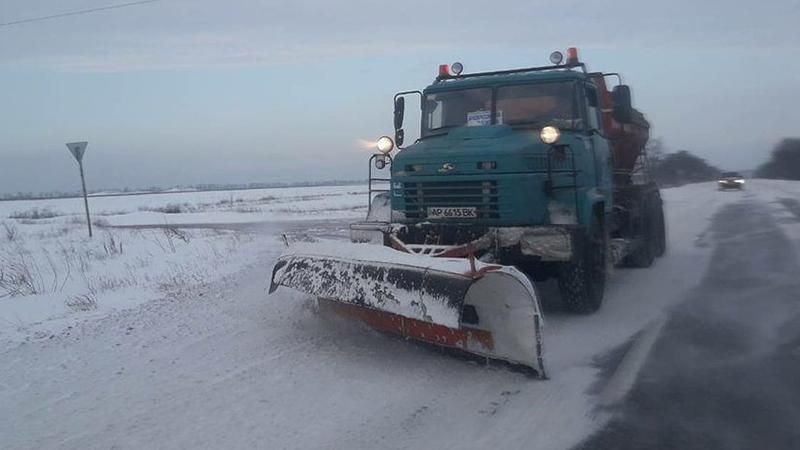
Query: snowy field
point(238, 206)
point(52, 274)
point(165, 337)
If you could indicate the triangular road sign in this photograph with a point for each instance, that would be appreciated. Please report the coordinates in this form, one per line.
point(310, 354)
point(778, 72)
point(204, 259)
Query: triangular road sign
point(77, 149)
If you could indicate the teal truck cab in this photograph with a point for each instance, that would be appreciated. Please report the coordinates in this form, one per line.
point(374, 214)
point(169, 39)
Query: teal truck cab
point(541, 168)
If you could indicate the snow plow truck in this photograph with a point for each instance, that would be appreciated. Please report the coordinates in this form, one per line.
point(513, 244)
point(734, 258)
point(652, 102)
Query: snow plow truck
point(518, 176)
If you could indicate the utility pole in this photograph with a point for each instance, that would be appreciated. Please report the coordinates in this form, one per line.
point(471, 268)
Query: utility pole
point(78, 149)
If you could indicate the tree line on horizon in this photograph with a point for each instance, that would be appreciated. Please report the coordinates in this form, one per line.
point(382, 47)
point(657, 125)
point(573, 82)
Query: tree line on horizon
point(666, 168)
point(784, 162)
point(683, 167)
point(677, 168)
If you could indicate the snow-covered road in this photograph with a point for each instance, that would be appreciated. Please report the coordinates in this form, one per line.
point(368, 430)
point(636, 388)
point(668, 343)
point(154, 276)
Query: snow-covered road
point(723, 372)
point(226, 366)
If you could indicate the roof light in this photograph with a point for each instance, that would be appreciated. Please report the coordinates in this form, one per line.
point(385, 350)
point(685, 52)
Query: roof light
point(572, 55)
point(444, 70)
point(556, 58)
point(457, 68)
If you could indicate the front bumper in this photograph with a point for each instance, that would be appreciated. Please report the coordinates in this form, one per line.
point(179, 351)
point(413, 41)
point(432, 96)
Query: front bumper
point(545, 243)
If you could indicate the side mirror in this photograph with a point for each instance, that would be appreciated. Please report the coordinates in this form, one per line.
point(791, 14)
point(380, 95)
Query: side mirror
point(399, 113)
point(621, 101)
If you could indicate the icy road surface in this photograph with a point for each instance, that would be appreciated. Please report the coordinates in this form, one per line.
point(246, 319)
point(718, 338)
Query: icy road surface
point(225, 366)
point(724, 371)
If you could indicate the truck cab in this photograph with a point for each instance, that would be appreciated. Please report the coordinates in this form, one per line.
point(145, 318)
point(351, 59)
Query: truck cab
point(481, 159)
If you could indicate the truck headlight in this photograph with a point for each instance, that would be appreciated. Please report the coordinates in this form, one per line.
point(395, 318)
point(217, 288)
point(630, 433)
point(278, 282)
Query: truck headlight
point(385, 144)
point(549, 134)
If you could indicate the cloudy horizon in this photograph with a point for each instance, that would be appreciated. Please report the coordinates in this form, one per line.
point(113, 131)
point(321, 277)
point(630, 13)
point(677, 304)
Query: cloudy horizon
point(188, 92)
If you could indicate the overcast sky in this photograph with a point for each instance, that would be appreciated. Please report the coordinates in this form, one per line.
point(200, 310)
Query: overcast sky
point(212, 91)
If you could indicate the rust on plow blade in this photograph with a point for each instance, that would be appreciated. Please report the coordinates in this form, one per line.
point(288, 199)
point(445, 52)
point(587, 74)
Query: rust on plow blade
point(411, 328)
point(440, 301)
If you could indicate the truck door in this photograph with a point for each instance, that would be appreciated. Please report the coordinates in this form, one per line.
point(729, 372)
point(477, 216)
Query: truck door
point(599, 145)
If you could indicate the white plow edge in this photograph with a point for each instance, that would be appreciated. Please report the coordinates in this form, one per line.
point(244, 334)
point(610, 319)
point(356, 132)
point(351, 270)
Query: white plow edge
point(508, 306)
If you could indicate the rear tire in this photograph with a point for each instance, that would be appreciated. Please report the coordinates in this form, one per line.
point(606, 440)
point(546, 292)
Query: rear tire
point(661, 228)
point(582, 281)
point(645, 254)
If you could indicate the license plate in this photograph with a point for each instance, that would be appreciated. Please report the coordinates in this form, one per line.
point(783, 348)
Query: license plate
point(448, 212)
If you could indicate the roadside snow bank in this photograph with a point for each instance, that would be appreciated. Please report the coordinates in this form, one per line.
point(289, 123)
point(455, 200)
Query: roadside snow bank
point(52, 275)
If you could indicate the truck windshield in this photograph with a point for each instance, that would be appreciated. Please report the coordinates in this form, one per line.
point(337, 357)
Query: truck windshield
point(538, 105)
point(527, 104)
point(444, 110)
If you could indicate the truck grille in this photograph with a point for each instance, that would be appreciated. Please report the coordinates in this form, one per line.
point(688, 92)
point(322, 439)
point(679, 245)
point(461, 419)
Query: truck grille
point(482, 195)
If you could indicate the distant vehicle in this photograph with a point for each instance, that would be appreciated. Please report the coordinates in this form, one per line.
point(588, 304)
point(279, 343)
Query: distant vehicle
point(730, 180)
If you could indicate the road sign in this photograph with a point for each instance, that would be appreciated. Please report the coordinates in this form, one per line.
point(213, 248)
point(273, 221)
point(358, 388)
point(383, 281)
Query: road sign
point(77, 149)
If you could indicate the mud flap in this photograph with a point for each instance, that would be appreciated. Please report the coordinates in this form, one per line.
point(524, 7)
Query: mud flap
point(493, 313)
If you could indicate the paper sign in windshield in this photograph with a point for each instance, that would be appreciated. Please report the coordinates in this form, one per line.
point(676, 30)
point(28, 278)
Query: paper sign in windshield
point(479, 118)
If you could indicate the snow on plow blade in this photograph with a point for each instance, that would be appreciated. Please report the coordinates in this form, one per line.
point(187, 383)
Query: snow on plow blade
point(492, 311)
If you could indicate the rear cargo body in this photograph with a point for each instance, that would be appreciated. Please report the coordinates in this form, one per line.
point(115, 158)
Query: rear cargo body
point(627, 140)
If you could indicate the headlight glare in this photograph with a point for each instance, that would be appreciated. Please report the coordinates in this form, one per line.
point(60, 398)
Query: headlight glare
point(550, 135)
point(385, 144)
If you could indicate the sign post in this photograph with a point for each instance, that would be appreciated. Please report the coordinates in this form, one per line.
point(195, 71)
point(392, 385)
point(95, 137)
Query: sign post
point(78, 149)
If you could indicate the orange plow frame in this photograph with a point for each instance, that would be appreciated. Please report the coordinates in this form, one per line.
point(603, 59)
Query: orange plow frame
point(412, 328)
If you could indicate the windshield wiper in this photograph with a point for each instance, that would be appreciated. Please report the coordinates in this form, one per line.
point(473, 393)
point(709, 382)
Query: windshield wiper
point(441, 130)
point(536, 124)
point(563, 124)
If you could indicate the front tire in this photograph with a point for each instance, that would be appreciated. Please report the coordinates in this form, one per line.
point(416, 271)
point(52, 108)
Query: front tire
point(582, 281)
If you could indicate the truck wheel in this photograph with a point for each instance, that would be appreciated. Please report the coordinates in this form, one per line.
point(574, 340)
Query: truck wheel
point(661, 229)
point(645, 254)
point(582, 281)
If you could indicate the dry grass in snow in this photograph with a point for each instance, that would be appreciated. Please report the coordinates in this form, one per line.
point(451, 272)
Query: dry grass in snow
point(51, 270)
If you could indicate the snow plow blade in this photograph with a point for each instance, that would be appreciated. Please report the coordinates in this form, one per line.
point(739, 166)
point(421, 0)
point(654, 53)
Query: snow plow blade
point(487, 310)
